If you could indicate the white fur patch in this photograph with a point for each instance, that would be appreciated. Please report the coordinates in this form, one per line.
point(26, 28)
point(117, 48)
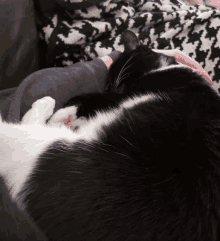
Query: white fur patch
point(20, 146)
point(93, 127)
point(131, 102)
point(163, 61)
point(170, 67)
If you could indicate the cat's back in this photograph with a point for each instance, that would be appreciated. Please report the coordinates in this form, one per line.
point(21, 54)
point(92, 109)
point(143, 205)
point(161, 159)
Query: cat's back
point(141, 176)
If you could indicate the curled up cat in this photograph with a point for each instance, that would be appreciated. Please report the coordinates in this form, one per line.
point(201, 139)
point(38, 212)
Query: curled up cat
point(139, 162)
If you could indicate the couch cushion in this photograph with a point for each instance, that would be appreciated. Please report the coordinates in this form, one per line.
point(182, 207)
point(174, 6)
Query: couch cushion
point(19, 55)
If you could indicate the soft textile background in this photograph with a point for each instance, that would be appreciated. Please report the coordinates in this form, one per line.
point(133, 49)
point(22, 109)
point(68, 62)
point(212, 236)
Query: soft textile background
point(19, 53)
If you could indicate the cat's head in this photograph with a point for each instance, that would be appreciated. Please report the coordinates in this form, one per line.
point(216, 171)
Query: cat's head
point(135, 62)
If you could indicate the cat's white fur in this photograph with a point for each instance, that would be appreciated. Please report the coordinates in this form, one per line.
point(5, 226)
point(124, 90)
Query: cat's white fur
point(130, 102)
point(165, 67)
point(22, 143)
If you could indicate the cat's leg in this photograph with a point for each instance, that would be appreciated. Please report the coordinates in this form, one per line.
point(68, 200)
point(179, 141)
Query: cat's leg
point(41, 110)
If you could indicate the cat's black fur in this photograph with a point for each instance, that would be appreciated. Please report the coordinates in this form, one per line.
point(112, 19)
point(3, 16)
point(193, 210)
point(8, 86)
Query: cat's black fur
point(154, 175)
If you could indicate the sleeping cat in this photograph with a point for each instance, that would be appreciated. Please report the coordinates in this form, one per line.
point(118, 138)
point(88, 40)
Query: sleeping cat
point(141, 163)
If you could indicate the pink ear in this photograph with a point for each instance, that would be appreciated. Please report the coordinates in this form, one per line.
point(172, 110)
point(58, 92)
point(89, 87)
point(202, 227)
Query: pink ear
point(185, 59)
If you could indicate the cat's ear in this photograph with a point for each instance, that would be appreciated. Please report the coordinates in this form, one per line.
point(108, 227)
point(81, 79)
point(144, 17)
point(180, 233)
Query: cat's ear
point(130, 41)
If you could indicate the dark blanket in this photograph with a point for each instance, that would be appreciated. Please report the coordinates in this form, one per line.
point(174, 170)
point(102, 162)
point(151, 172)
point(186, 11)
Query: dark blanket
point(19, 53)
point(83, 34)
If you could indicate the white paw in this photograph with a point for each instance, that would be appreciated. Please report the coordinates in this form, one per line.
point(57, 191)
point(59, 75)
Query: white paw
point(63, 114)
point(45, 106)
point(67, 116)
point(78, 123)
point(41, 110)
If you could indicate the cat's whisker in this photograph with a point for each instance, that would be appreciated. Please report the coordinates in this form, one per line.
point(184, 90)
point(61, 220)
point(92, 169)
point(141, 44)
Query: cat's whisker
point(119, 79)
point(92, 146)
point(127, 141)
point(125, 74)
point(104, 144)
point(123, 68)
point(155, 184)
point(129, 125)
point(130, 116)
point(115, 84)
point(123, 77)
point(122, 154)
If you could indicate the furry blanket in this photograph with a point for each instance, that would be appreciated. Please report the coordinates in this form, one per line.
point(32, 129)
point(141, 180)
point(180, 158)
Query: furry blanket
point(84, 34)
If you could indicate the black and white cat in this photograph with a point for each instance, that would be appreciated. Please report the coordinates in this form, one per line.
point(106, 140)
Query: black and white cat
point(143, 165)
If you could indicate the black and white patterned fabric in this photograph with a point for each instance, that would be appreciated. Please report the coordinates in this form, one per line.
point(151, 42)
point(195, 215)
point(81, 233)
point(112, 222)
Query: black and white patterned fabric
point(84, 34)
